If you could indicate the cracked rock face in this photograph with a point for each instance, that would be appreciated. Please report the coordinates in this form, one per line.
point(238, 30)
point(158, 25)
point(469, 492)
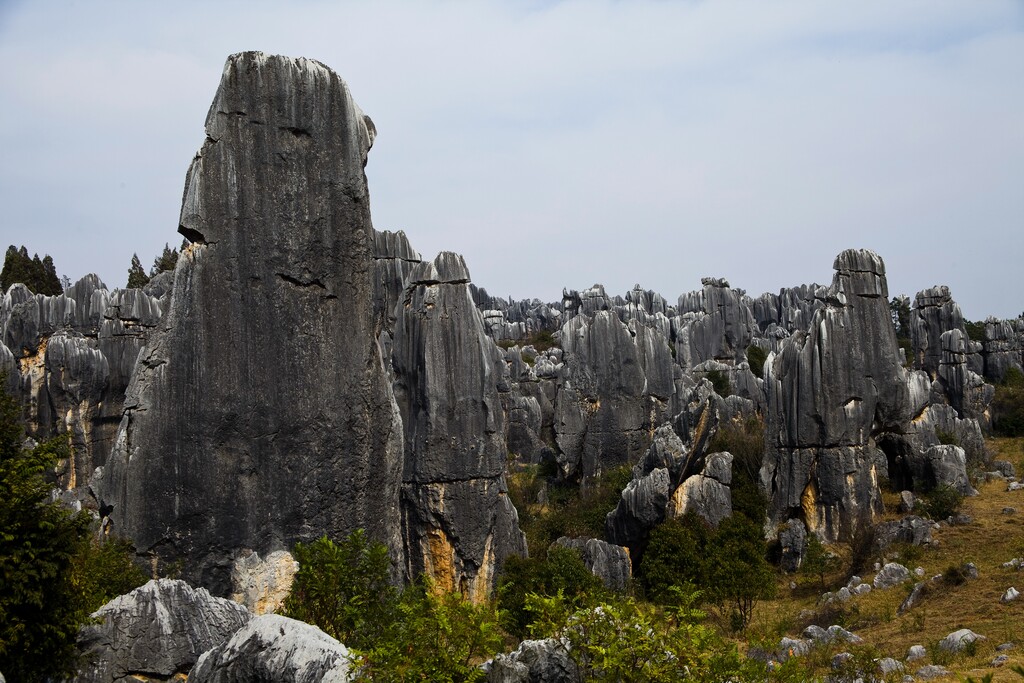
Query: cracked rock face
point(156, 631)
point(458, 521)
point(261, 413)
point(830, 390)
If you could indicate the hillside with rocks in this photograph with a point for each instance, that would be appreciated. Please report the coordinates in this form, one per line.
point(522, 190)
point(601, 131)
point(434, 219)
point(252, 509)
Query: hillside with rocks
point(301, 374)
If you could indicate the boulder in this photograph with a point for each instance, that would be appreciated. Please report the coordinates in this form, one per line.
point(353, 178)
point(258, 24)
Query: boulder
point(261, 413)
point(156, 631)
point(912, 530)
point(272, 648)
point(1010, 595)
point(949, 467)
point(793, 542)
point(892, 574)
point(610, 563)
point(534, 661)
point(958, 640)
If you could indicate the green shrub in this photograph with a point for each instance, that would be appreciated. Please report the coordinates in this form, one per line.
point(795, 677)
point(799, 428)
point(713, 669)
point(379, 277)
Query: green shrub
point(344, 589)
point(756, 356)
point(947, 438)
point(744, 439)
point(975, 330)
point(818, 561)
point(40, 608)
point(562, 571)
point(436, 636)
point(1008, 405)
point(942, 502)
point(628, 641)
point(675, 557)
point(102, 570)
point(955, 575)
point(720, 381)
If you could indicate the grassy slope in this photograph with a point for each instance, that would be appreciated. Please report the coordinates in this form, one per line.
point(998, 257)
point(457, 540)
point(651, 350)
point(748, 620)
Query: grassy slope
point(990, 540)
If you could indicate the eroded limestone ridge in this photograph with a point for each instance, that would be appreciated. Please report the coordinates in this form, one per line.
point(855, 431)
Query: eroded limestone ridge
point(261, 414)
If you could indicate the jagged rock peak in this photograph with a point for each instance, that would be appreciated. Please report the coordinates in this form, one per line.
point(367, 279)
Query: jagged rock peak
point(859, 261)
point(446, 268)
point(262, 405)
point(387, 244)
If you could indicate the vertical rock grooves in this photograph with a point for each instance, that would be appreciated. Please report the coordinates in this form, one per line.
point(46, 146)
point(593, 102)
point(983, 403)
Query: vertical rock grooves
point(261, 413)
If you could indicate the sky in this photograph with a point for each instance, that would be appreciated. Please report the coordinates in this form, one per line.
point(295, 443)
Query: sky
point(561, 144)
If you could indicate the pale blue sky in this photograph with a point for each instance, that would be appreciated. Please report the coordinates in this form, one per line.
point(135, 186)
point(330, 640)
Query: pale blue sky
point(561, 143)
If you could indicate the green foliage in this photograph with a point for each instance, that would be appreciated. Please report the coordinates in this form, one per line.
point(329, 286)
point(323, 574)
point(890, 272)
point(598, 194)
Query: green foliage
point(756, 356)
point(40, 276)
point(137, 278)
point(744, 439)
point(941, 502)
point(955, 575)
point(1008, 405)
point(103, 569)
point(542, 340)
point(741, 575)
point(624, 640)
point(818, 561)
point(675, 557)
point(40, 610)
point(416, 634)
point(167, 260)
point(947, 438)
point(344, 589)
point(720, 381)
point(569, 511)
point(727, 565)
point(975, 330)
point(436, 637)
point(562, 571)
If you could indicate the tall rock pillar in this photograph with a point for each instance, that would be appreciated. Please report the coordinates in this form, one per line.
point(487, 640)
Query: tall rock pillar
point(260, 413)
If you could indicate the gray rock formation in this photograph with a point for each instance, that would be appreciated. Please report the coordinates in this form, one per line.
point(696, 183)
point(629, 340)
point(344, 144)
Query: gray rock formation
point(275, 649)
point(892, 574)
point(261, 413)
point(934, 313)
point(534, 661)
point(830, 390)
point(964, 389)
point(949, 468)
point(458, 521)
point(610, 563)
point(156, 631)
point(793, 542)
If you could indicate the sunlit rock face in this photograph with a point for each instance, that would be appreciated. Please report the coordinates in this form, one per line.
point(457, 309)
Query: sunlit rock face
point(831, 390)
point(261, 414)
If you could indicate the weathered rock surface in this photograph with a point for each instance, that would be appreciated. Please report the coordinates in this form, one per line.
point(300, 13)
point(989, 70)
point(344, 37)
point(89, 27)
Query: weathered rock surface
point(958, 640)
point(534, 661)
point(458, 521)
point(275, 649)
point(830, 389)
point(156, 631)
point(261, 413)
point(262, 585)
point(610, 563)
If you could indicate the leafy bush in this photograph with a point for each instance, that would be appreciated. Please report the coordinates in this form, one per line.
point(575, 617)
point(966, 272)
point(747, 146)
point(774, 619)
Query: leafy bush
point(344, 589)
point(40, 610)
point(624, 640)
point(436, 636)
point(726, 565)
point(941, 502)
point(756, 356)
point(818, 561)
point(975, 330)
point(102, 570)
point(947, 438)
point(562, 571)
point(1008, 405)
point(744, 439)
point(720, 381)
point(419, 633)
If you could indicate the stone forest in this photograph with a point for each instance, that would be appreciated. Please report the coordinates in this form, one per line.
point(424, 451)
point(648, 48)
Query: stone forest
point(304, 452)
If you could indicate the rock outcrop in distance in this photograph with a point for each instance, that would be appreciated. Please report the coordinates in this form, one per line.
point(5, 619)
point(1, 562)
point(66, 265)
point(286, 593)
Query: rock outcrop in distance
point(301, 373)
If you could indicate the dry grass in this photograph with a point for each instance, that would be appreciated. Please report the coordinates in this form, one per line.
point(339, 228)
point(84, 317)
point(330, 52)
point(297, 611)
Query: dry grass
point(990, 540)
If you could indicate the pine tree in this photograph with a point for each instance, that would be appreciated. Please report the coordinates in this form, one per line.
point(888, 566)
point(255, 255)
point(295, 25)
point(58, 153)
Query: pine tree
point(39, 275)
point(137, 278)
point(165, 261)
